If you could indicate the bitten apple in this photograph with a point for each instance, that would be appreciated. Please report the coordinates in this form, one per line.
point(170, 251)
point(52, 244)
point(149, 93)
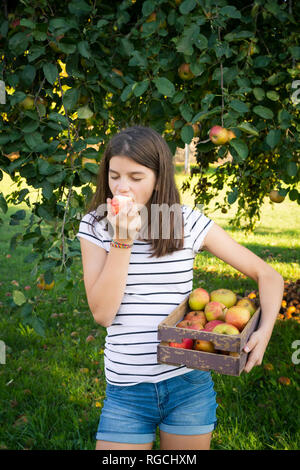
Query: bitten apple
point(198, 298)
point(186, 343)
point(118, 202)
point(237, 316)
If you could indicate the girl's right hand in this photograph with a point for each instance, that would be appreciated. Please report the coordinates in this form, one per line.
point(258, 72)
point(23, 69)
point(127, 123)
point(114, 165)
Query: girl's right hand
point(126, 224)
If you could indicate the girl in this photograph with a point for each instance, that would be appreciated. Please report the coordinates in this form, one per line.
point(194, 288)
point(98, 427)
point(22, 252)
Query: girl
point(133, 283)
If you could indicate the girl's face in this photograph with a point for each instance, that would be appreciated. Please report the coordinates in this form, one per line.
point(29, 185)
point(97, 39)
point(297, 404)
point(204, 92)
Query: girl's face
point(128, 178)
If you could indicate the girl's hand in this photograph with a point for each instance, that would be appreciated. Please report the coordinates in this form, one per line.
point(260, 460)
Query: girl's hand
point(256, 345)
point(126, 223)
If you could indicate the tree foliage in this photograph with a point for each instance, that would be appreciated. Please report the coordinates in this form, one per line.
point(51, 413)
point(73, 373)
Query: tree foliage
point(76, 72)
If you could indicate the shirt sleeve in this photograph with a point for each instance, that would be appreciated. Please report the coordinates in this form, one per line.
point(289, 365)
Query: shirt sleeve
point(199, 226)
point(92, 234)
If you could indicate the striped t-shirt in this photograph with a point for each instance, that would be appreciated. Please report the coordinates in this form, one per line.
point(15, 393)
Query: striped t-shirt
point(154, 287)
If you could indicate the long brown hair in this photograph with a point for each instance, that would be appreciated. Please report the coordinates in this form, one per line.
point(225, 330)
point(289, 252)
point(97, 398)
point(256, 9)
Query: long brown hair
point(146, 147)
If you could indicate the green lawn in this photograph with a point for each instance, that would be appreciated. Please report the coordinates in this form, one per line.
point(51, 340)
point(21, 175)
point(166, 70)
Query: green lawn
point(52, 388)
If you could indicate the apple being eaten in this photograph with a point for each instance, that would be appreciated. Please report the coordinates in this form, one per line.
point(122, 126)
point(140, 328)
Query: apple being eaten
point(118, 202)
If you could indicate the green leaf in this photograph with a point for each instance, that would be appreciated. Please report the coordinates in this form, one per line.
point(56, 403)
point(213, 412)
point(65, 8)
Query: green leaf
point(84, 49)
point(51, 72)
point(259, 93)
point(273, 95)
point(186, 112)
point(191, 35)
point(240, 147)
point(148, 7)
point(263, 112)
point(28, 75)
point(30, 126)
point(3, 203)
point(18, 297)
point(164, 86)
point(84, 112)
point(187, 6)
point(248, 128)
point(230, 11)
point(292, 169)
point(293, 194)
point(140, 87)
point(273, 138)
point(70, 98)
point(127, 92)
point(239, 106)
point(232, 196)
point(187, 134)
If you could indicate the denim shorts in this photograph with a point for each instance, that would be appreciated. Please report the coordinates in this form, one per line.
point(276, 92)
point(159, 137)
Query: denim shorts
point(184, 405)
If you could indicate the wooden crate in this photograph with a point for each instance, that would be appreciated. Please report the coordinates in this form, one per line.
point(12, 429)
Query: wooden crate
point(222, 363)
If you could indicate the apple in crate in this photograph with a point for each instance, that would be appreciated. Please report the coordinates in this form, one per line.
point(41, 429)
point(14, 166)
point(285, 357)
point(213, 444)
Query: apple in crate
point(198, 298)
point(215, 311)
point(237, 316)
point(203, 345)
point(247, 303)
point(186, 343)
point(196, 315)
point(225, 296)
point(211, 324)
point(226, 329)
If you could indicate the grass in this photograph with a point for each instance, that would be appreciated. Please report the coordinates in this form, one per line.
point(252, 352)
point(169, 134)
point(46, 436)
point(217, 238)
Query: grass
point(52, 388)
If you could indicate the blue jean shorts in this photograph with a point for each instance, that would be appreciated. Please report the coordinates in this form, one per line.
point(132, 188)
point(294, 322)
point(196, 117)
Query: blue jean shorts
point(184, 405)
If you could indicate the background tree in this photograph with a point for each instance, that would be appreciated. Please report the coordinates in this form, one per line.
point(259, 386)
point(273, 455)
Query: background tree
point(76, 72)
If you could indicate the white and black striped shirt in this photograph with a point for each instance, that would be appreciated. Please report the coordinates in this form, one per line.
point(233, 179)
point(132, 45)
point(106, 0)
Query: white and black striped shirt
point(154, 287)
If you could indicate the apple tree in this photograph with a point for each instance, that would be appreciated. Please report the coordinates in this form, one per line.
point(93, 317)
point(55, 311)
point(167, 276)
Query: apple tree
point(74, 73)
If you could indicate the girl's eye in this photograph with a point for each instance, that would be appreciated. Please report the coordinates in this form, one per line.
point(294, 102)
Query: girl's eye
point(134, 179)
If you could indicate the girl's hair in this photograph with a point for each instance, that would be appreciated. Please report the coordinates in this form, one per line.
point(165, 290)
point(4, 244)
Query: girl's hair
point(146, 147)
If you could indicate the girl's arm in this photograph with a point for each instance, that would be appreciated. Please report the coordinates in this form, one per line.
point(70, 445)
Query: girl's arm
point(270, 285)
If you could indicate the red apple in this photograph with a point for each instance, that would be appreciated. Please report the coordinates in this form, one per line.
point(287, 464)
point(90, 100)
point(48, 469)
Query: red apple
point(215, 311)
point(185, 72)
point(198, 298)
point(203, 345)
point(197, 325)
point(218, 135)
point(226, 329)
point(211, 324)
point(237, 316)
point(184, 324)
point(225, 296)
point(196, 315)
point(186, 343)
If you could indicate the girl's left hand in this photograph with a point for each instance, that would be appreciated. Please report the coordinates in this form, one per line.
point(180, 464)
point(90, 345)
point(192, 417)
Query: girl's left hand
point(256, 345)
